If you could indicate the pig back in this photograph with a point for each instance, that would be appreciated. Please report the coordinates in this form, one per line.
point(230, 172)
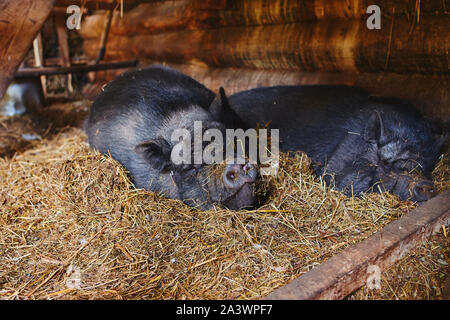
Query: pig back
point(132, 107)
point(305, 115)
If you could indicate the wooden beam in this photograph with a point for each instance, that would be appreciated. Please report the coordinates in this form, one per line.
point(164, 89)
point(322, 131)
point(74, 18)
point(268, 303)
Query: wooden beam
point(104, 37)
point(35, 72)
point(100, 5)
point(429, 93)
point(38, 52)
point(63, 50)
point(344, 273)
point(20, 22)
point(163, 16)
point(334, 46)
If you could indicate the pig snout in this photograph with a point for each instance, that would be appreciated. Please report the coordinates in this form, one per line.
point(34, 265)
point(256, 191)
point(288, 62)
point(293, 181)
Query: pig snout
point(423, 191)
point(240, 180)
point(236, 175)
point(415, 188)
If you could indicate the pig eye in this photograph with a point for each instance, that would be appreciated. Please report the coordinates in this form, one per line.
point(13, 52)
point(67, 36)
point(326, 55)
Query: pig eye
point(191, 170)
point(386, 163)
point(399, 165)
point(404, 165)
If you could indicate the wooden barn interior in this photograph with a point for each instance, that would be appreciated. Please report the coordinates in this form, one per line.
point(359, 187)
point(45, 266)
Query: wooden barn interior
point(237, 45)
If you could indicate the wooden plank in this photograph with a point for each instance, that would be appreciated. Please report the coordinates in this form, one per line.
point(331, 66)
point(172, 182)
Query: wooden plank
point(334, 46)
point(344, 273)
point(35, 72)
point(429, 93)
point(163, 16)
point(99, 4)
point(38, 51)
point(20, 22)
point(63, 50)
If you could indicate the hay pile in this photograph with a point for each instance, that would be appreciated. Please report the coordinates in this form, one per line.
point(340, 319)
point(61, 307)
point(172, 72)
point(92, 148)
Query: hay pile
point(19, 133)
point(73, 227)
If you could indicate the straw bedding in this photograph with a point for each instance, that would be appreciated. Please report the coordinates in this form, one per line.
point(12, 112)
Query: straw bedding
point(72, 226)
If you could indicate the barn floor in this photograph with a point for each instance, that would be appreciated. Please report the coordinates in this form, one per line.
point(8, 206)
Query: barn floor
point(73, 227)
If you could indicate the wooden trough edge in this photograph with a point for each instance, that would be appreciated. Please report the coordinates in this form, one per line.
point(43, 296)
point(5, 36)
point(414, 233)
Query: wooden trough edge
point(363, 263)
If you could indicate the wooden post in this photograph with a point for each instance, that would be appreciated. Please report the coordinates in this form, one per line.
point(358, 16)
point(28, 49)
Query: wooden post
point(20, 22)
point(104, 38)
point(63, 49)
point(345, 272)
point(38, 51)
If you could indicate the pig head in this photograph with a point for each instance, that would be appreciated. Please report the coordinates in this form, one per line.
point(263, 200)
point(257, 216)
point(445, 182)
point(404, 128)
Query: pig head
point(389, 152)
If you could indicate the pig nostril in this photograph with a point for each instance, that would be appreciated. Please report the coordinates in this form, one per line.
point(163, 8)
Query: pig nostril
point(231, 176)
point(237, 175)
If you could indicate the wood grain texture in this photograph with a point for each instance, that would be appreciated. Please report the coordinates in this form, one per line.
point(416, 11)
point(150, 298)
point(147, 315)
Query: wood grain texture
point(336, 46)
point(20, 22)
point(163, 16)
point(429, 93)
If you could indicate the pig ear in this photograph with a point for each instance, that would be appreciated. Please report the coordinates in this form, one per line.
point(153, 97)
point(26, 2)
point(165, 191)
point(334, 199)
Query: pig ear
point(374, 130)
point(219, 104)
point(156, 152)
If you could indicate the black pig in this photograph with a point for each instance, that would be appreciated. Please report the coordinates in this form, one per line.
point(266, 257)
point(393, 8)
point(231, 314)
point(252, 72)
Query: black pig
point(363, 142)
point(133, 119)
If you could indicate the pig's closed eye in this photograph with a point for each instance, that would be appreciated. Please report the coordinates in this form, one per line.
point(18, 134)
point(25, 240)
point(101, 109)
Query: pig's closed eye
point(386, 163)
point(404, 165)
point(193, 169)
point(399, 165)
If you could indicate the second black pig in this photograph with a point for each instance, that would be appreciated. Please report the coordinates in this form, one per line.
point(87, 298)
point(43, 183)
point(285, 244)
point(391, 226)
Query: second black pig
point(133, 119)
point(363, 143)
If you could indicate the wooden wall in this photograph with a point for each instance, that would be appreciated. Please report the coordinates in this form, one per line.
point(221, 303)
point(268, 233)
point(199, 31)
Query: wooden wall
point(241, 44)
